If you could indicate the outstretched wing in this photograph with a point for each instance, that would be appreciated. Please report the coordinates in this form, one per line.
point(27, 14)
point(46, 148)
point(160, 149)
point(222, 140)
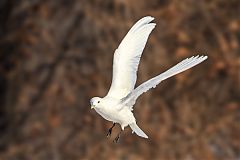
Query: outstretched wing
point(127, 57)
point(152, 83)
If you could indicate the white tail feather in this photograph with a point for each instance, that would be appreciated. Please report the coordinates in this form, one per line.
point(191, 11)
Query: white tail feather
point(137, 130)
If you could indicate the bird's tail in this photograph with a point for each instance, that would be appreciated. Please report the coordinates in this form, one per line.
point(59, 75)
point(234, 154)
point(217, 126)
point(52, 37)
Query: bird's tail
point(137, 130)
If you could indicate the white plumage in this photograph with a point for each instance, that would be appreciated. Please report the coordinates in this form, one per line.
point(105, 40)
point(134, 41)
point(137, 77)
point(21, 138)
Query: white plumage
point(117, 105)
point(127, 57)
point(131, 98)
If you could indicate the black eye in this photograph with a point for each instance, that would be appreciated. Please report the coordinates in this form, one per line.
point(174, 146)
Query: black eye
point(98, 101)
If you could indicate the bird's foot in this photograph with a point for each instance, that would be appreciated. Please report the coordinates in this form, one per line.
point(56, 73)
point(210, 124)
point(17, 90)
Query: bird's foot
point(116, 140)
point(109, 133)
point(110, 130)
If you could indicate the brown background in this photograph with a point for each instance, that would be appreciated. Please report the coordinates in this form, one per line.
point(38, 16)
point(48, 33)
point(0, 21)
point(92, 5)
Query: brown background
point(57, 54)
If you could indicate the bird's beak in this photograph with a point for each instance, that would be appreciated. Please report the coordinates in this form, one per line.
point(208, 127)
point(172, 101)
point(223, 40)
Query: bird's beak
point(92, 106)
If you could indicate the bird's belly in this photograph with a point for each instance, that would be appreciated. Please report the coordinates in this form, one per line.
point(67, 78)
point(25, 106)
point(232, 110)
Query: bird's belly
point(124, 116)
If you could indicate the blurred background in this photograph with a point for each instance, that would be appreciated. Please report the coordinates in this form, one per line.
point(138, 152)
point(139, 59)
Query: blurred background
point(57, 54)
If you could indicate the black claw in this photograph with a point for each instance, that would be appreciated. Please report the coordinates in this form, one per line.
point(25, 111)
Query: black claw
point(116, 140)
point(110, 131)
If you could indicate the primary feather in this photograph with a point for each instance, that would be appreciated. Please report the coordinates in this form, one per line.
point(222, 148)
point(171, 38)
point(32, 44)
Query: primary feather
point(127, 56)
point(144, 87)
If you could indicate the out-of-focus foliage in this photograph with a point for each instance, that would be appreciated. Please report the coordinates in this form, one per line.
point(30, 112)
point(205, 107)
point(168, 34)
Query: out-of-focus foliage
point(57, 54)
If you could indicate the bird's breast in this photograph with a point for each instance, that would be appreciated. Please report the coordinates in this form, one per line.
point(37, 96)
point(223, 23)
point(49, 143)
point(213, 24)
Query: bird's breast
point(107, 114)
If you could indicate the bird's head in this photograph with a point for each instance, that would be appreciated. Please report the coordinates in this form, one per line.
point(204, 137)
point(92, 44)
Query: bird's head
point(95, 102)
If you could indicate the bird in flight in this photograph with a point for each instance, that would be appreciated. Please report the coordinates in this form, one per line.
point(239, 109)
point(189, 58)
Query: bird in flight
point(117, 105)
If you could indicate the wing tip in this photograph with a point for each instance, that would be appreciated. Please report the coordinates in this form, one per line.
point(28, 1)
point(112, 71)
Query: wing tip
point(141, 22)
point(149, 17)
point(202, 57)
point(146, 19)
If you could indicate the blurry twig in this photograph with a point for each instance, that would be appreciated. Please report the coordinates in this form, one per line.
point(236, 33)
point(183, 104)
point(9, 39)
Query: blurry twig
point(215, 29)
point(52, 69)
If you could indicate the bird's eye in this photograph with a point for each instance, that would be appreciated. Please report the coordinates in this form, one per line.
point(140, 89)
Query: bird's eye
point(98, 102)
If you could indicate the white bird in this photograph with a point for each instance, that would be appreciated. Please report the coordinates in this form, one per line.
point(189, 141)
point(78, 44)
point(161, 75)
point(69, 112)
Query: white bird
point(117, 105)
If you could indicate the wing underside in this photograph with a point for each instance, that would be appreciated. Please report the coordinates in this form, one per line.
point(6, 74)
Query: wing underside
point(152, 83)
point(127, 56)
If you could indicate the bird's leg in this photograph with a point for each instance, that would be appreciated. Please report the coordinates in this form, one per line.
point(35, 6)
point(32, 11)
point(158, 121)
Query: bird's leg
point(110, 130)
point(116, 140)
